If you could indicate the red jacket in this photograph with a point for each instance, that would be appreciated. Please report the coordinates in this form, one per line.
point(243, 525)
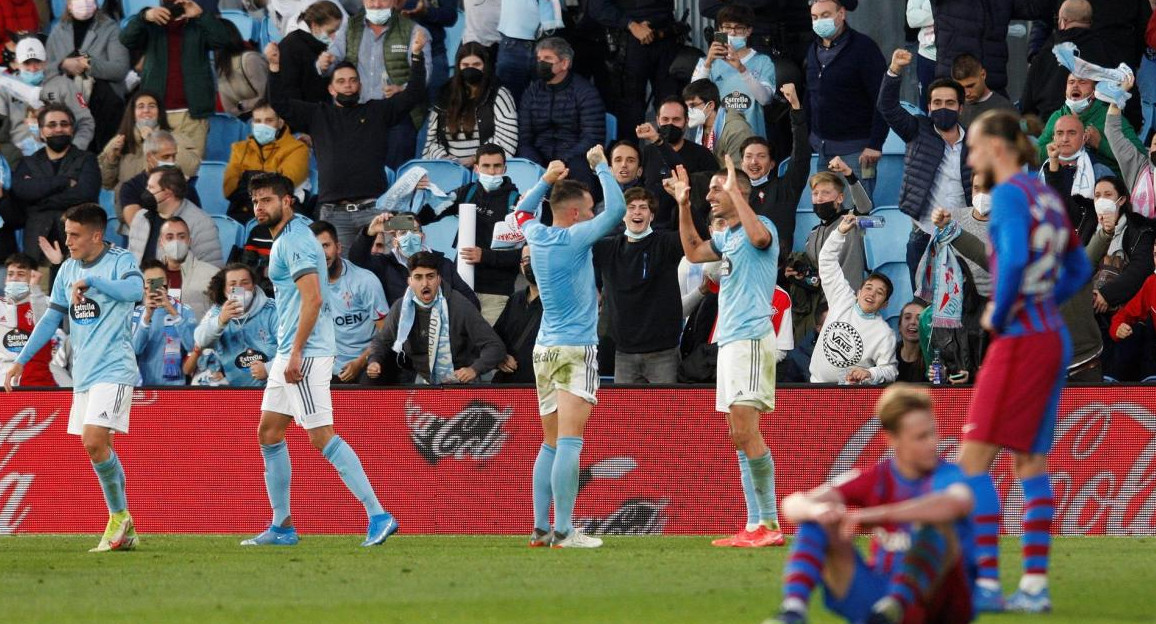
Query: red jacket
point(16, 16)
point(1142, 306)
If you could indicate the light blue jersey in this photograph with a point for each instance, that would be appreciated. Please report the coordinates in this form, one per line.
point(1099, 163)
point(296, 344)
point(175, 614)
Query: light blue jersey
point(296, 253)
point(728, 79)
point(100, 325)
point(358, 302)
point(153, 348)
point(564, 265)
point(249, 338)
point(746, 284)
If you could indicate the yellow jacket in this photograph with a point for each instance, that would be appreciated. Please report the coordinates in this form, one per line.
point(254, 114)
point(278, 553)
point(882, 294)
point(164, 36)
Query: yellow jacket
point(285, 155)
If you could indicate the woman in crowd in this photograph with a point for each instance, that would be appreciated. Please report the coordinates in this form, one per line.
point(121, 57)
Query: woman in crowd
point(302, 51)
point(241, 75)
point(472, 109)
point(241, 327)
point(123, 157)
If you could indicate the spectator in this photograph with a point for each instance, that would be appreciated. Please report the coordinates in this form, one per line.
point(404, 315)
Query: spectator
point(772, 196)
point(1072, 171)
point(975, 222)
point(978, 98)
point(745, 76)
point(55, 178)
point(125, 156)
point(391, 267)
point(386, 64)
point(161, 343)
point(844, 69)
point(18, 16)
point(936, 173)
point(14, 102)
point(519, 24)
point(780, 29)
point(161, 151)
point(560, 115)
point(494, 194)
point(827, 197)
point(21, 307)
point(797, 367)
point(1046, 81)
point(241, 75)
point(8, 211)
point(1081, 101)
point(668, 149)
point(965, 27)
point(1136, 164)
point(640, 294)
point(908, 353)
point(304, 51)
point(720, 130)
point(920, 18)
point(436, 333)
point(165, 197)
point(857, 344)
point(289, 16)
point(241, 326)
point(482, 25)
point(188, 277)
point(626, 164)
point(435, 16)
point(471, 110)
point(185, 88)
point(84, 45)
point(1128, 321)
point(271, 147)
point(518, 328)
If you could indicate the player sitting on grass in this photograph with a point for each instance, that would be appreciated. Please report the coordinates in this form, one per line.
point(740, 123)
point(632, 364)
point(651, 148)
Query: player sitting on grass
point(921, 567)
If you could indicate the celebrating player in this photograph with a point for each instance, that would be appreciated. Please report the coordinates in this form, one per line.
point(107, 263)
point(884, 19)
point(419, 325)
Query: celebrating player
point(566, 354)
point(98, 286)
point(921, 562)
point(749, 250)
point(299, 376)
point(1038, 263)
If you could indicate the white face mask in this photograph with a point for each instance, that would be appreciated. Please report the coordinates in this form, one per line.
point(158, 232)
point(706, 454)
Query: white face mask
point(695, 117)
point(982, 203)
point(1105, 206)
point(490, 182)
point(1078, 106)
point(176, 249)
point(1074, 157)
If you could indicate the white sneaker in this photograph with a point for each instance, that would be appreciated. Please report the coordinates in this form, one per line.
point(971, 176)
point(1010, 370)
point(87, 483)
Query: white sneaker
point(576, 539)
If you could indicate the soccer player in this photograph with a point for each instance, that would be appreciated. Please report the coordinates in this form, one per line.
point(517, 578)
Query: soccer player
point(566, 353)
point(97, 287)
point(747, 355)
point(298, 385)
point(921, 563)
point(1038, 263)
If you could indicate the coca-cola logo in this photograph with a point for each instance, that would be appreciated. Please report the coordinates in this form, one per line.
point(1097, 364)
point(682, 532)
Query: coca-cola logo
point(476, 431)
point(14, 486)
point(635, 516)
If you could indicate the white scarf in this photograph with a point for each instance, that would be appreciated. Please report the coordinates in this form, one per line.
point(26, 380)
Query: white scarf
point(1084, 184)
point(441, 361)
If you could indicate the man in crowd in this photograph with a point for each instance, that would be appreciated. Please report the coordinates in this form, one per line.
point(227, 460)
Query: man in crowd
point(1080, 100)
point(1044, 88)
point(978, 97)
point(391, 267)
point(164, 198)
point(773, 196)
point(720, 130)
point(270, 147)
point(669, 148)
point(31, 58)
point(21, 308)
point(160, 152)
point(518, 327)
point(188, 277)
point(626, 164)
point(162, 330)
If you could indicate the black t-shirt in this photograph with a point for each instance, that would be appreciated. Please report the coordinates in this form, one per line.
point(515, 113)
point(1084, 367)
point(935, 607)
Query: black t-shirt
point(914, 372)
point(640, 290)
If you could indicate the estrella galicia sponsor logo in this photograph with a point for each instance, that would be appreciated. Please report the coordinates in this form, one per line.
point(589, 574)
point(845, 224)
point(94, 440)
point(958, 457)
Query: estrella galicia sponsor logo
point(842, 345)
point(635, 516)
point(15, 340)
point(86, 312)
point(476, 432)
point(248, 357)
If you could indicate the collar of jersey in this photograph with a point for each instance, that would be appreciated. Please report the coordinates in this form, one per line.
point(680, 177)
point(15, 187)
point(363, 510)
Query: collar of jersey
point(104, 250)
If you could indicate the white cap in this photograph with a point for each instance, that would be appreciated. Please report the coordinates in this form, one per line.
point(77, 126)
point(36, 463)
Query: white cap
point(30, 48)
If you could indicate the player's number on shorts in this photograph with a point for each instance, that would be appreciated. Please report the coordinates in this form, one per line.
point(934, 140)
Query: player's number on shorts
point(1040, 276)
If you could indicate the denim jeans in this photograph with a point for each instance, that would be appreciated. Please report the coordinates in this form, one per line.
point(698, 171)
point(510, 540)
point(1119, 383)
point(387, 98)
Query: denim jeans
point(515, 68)
point(659, 367)
point(348, 224)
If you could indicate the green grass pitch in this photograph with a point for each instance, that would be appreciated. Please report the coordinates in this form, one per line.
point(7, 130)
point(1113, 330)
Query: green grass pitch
point(209, 579)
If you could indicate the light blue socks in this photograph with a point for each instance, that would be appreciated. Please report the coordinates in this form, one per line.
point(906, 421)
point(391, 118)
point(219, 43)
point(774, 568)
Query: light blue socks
point(111, 476)
point(345, 460)
point(748, 491)
point(564, 481)
point(543, 490)
point(278, 472)
point(763, 477)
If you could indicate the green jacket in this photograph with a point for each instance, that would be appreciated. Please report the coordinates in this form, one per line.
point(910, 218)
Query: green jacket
point(1094, 115)
point(201, 34)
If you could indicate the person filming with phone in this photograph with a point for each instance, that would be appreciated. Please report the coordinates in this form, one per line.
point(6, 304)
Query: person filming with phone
point(162, 330)
point(241, 326)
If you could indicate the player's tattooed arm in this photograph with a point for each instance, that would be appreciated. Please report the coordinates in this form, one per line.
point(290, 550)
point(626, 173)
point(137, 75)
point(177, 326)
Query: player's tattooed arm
point(756, 232)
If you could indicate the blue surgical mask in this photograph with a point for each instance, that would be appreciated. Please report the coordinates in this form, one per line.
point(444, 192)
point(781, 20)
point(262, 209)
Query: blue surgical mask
point(760, 181)
point(378, 16)
point(34, 129)
point(409, 243)
point(1078, 106)
point(31, 78)
point(641, 235)
point(16, 291)
point(264, 134)
point(29, 146)
point(825, 27)
point(490, 182)
point(737, 42)
point(323, 38)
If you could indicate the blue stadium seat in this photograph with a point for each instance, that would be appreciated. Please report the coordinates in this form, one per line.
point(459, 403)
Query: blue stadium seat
point(782, 166)
point(894, 144)
point(210, 185)
point(224, 131)
point(266, 32)
point(901, 279)
point(888, 180)
point(244, 23)
point(446, 174)
point(132, 7)
point(889, 243)
point(611, 130)
point(805, 221)
point(108, 201)
point(454, 38)
point(524, 172)
point(805, 199)
point(111, 235)
point(229, 232)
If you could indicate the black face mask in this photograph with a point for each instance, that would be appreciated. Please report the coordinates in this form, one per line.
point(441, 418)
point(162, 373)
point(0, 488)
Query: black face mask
point(348, 100)
point(58, 143)
point(670, 133)
point(827, 211)
point(472, 76)
point(545, 70)
point(148, 201)
point(528, 272)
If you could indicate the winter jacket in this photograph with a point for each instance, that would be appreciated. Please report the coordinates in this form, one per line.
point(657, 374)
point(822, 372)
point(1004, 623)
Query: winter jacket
point(43, 192)
point(1134, 161)
point(201, 34)
point(1141, 307)
point(1047, 80)
point(241, 93)
point(394, 275)
point(242, 340)
point(205, 243)
point(840, 95)
point(560, 122)
point(195, 276)
point(108, 58)
point(299, 52)
point(1137, 248)
point(979, 28)
point(286, 155)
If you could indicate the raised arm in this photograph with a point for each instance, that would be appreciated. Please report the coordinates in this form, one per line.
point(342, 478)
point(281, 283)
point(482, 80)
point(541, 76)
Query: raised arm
point(902, 122)
point(835, 285)
point(693, 246)
point(531, 203)
point(614, 204)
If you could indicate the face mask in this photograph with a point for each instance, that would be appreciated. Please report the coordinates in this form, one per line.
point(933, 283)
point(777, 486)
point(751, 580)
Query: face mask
point(148, 201)
point(695, 117)
point(147, 123)
point(528, 272)
point(347, 100)
point(82, 9)
point(826, 211)
point(1105, 206)
point(378, 17)
point(545, 70)
point(30, 146)
point(409, 243)
point(16, 290)
point(264, 134)
point(641, 235)
point(944, 118)
point(166, 164)
point(982, 203)
point(472, 76)
point(31, 78)
point(825, 27)
point(59, 142)
point(176, 249)
point(1073, 157)
point(737, 42)
point(490, 182)
point(670, 133)
point(323, 38)
point(1078, 106)
point(760, 181)
point(34, 129)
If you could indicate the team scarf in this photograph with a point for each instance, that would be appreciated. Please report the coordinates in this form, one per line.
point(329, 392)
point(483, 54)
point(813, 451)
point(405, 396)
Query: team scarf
point(438, 350)
point(940, 278)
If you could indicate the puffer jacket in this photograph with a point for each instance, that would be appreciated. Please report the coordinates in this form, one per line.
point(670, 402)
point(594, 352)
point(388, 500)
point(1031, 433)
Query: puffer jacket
point(560, 122)
point(979, 28)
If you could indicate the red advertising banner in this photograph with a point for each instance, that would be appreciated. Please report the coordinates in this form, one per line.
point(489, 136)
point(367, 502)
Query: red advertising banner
point(459, 460)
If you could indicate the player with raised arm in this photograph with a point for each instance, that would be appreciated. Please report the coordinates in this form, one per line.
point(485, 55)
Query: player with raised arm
point(566, 353)
point(297, 388)
point(97, 287)
point(747, 355)
point(918, 505)
point(1038, 263)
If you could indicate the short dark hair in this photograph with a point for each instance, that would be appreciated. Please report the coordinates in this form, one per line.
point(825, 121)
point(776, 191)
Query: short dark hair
point(704, 89)
point(152, 263)
point(216, 289)
point(567, 191)
point(876, 275)
point(637, 192)
point(424, 260)
point(21, 261)
point(965, 66)
point(172, 179)
point(948, 83)
point(56, 108)
point(753, 140)
point(178, 220)
point(674, 99)
point(275, 182)
point(88, 214)
point(623, 143)
point(264, 103)
point(735, 13)
point(489, 149)
point(343, 65)
point(324, 227)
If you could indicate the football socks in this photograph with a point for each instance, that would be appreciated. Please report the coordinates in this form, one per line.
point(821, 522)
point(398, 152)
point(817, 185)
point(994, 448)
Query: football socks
point(278, 472)
point(564, 481)
point(543, 490)
point(111, 476)
point(345, 460)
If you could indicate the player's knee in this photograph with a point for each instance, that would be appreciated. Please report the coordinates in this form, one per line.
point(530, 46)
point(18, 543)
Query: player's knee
point(97, 449)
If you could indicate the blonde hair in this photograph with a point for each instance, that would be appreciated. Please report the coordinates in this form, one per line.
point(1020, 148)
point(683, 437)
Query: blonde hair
point(898, 401)
point(827, 177)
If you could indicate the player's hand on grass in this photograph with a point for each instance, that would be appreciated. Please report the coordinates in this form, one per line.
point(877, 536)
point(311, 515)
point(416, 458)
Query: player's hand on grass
point(555, 171)
point(858, 375)
point(293, 368)
point(1122, 332)
point(850, 221)
point(12, 378)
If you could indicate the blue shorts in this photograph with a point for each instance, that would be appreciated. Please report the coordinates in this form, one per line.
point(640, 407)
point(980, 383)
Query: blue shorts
point(866, 588)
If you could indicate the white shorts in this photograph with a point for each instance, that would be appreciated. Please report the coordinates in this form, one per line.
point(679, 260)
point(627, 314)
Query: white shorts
point(746, 374)
point(102, 405)
point(573, 369)
point(308, 401)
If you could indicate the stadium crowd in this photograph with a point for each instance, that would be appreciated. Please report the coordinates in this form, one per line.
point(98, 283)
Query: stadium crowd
point(162, 112)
